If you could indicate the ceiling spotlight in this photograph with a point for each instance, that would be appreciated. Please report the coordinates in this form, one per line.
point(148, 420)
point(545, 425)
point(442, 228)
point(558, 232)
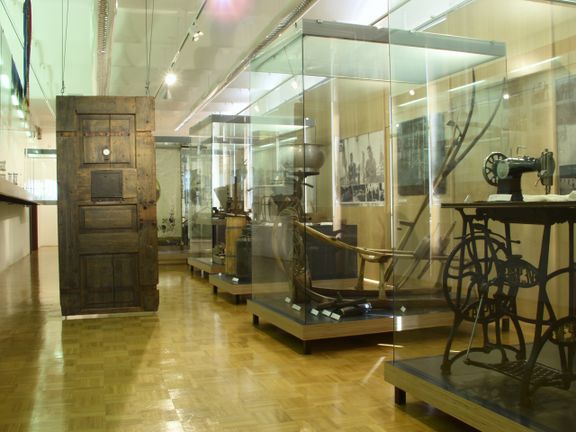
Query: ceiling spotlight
point(170, 79)
point(197, 35)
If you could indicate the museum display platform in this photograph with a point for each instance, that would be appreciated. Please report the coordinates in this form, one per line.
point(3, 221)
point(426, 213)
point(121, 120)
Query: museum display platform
point(487, 400)
point(204, 265)
point(309, 324)
point(172, 255)
point(231, 285)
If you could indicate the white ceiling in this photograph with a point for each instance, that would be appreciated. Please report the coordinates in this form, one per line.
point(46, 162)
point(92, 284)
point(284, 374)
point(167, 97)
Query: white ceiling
point(232, 28)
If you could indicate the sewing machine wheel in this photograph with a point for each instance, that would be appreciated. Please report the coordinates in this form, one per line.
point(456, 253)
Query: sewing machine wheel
point(489, 168)
point(473, 279)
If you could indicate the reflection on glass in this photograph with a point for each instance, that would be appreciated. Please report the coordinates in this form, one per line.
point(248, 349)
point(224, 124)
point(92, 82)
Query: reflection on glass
point(478, 212)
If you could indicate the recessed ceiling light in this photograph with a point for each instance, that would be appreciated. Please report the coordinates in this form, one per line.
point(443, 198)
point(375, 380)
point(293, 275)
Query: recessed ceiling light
point(170, 79)
point(196, 36)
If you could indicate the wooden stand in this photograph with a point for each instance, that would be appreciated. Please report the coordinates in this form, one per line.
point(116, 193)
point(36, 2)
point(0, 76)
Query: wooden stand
point(317, 329)
point(450, 402)
point(227, 284)
point(234, 226)
point(204, 265)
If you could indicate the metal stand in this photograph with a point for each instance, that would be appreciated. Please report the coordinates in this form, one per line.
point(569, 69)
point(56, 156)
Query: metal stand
point(481, 281)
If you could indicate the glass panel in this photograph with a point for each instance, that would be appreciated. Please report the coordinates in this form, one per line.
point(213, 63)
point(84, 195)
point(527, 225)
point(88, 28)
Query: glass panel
point(276, 114)
point(200, 174)
point(473, 142)
point(318, 113)
point(169, 205)
point(218, 161)
point(15, 135)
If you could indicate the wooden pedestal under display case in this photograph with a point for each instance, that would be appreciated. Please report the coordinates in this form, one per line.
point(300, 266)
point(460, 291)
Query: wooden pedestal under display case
point(108, 253)
point(231, 285)
point(204, 265)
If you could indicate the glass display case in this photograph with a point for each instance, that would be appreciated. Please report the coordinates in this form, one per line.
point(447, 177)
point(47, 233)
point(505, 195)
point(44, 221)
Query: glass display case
point(173, 198)
point(25, 167)
point(170, 212)
point(321, 233)
point(482, 197)
point(219, 192)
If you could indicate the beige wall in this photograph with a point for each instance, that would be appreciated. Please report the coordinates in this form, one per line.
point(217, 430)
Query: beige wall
point(47, 225)
point(14, 233)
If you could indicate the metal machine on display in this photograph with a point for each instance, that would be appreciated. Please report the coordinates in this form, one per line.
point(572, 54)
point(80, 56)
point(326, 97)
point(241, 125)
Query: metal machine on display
point(506, 172)
point(483, 277)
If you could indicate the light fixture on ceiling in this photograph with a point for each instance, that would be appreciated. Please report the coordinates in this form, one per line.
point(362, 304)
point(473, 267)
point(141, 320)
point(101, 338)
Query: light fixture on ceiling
point(197, 35)
point(284, 24)
point(170, 79)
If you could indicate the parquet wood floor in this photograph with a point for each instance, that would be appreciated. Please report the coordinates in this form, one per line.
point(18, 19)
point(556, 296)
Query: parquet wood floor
point(197, 365)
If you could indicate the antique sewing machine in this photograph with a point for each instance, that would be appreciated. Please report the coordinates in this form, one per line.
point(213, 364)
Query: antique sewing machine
point(506, 172)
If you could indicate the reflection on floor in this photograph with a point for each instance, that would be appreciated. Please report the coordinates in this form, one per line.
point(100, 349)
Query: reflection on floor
point(197, 365)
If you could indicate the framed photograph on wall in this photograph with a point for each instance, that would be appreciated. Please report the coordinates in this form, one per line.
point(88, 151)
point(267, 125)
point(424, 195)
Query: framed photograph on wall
point(360, 169)
point(413, 158)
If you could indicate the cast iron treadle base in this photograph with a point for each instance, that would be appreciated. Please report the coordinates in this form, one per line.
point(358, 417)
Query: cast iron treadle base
point(542, 375)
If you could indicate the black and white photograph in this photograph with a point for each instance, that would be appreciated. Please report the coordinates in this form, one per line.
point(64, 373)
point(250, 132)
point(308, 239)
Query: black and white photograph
point(361, 169)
